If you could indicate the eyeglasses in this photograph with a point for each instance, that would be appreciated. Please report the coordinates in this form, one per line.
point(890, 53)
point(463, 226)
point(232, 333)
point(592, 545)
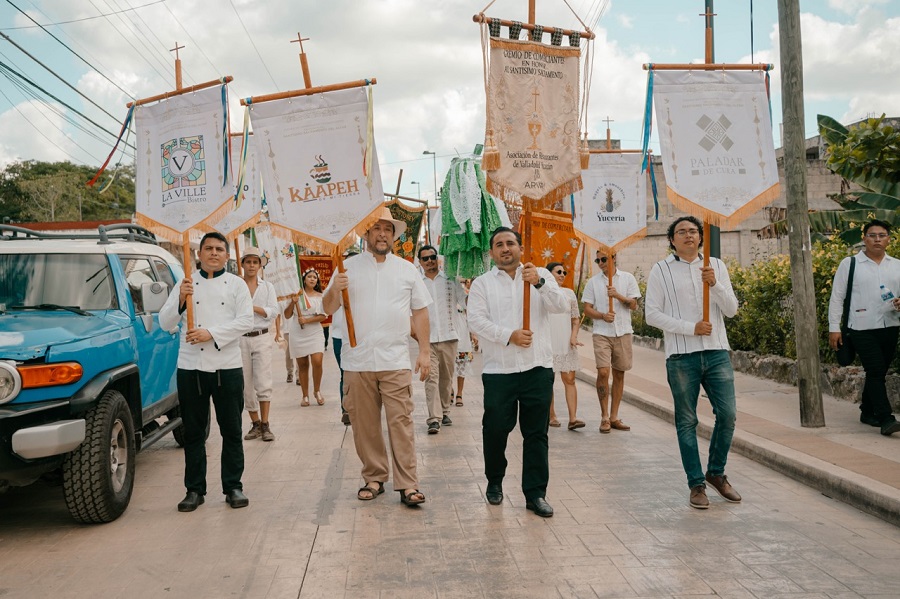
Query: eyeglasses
point(686, 232)
point(560, 272)
point(427, 258)
point(877, 235)
point(601, 260)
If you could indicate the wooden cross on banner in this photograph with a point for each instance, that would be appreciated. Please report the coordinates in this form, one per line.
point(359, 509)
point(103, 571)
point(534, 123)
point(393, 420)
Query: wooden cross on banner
point(177, 65)
point(304, 65)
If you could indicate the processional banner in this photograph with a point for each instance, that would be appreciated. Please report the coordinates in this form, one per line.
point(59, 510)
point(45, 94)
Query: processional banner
point(715, 136)
point(181, 173)
point(533, 114)
point(405, 247)
point(324, 267)
point(319, 165)
point(611, 210)
point(246, 206)
point(281, 270)
point(553, 239)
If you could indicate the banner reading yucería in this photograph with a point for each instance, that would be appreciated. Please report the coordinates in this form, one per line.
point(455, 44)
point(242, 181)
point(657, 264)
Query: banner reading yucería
point(715, 135)
point(313, 152)
point(533, 104)
point(611, 210)
point(180, 166)
point(245, 211)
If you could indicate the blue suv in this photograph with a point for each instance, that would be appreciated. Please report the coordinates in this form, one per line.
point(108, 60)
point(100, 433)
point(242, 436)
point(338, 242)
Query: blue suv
point(87, 376)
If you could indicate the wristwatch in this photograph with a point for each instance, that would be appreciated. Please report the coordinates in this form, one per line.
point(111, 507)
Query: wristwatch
point(540, 283)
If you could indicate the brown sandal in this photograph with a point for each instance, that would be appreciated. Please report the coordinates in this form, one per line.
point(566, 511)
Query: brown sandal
point(372, 491)
point(407, 497)
point(459, 400)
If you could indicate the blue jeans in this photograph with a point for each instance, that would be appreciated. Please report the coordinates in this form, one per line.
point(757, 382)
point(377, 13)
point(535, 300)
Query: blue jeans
point(336, 344)
point(686, 373)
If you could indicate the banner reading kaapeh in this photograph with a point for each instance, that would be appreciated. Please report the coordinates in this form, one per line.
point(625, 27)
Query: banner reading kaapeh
point(715, 135)
point(181, 175)
point(319, 166)
point(246, 207)
point(533, 115)
point(611, 210)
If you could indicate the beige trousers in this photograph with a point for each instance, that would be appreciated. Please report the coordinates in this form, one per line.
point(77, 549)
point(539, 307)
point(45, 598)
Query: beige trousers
point(439, 383)
point(364, 395)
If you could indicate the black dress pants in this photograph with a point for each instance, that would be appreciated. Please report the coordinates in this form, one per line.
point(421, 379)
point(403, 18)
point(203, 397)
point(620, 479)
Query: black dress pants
point(526, 394)
point(226, 388)
point(876, 349)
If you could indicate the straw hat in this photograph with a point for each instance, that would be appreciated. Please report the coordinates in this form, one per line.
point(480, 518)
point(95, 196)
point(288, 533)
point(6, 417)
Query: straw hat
point(399, 225)
point(253, 251)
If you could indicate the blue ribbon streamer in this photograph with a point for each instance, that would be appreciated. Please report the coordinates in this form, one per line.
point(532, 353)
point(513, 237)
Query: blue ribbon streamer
point(655, 196)
point(226, 151)
point(648, 118)
point(572, 203)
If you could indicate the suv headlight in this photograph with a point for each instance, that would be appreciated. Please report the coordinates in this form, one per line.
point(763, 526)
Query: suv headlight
point(10, 381)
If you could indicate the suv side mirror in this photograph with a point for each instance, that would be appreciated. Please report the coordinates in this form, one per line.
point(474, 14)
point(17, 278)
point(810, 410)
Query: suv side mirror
point(153, 296)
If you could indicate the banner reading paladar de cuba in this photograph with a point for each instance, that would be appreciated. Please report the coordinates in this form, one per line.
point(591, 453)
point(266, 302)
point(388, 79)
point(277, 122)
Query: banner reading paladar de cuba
point(715, 136)
point(313, 151)
point(533, 104)
point(180, 173)
point(246, 206)
point(611, 210)
point(553, 239)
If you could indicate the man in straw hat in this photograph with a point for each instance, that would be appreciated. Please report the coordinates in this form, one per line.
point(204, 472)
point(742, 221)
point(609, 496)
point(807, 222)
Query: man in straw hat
point(384, 290)
point(256, 346)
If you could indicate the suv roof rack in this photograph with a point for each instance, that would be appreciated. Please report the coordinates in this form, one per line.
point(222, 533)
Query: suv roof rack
point(105, 235)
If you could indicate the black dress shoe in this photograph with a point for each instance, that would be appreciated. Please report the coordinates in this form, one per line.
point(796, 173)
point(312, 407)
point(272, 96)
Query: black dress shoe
point(869, 419)
point(494, 494)
point(890, 427)
point(539, 506)
point(190, 502)
point(236, 498)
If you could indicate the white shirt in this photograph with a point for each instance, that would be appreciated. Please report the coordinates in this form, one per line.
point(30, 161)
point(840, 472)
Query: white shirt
point(675, 304)
point(595, 294)
point(266, 298)
point(382, 296)
point(867, 309)
point(222, 306)
point(446, 296)
point(495, 311)
point(338, 324)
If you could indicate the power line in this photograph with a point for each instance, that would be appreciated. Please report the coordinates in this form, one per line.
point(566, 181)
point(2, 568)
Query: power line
point(67, 47)
point(148, 50)
point(80, 20)
point(251, 43)
point(69, 85)
point(152, 31)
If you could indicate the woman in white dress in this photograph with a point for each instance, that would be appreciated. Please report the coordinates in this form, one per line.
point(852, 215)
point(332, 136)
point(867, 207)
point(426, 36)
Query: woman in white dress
point(564, 339)
point(304, 316)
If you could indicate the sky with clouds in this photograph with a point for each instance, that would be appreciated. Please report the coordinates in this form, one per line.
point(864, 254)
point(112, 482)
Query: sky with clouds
point(426, 55)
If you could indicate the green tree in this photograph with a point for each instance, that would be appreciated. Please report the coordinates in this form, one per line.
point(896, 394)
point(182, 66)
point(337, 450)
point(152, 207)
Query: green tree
point(56, 191)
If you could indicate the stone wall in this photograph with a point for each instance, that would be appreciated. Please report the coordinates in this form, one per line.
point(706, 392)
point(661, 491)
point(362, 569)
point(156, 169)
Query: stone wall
point(842, 382)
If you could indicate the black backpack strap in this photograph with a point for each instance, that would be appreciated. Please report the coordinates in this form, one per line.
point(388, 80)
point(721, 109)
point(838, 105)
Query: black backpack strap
point(846, 319)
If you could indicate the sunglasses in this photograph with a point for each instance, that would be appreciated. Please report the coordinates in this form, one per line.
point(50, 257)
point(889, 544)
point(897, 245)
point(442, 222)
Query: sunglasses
point(427, 258)
point(601, 260)
point(560, 272)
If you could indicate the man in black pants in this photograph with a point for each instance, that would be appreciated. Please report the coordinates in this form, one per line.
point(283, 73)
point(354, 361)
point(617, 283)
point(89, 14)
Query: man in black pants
point(874, 320)
point(210, 365)
point(518, 365)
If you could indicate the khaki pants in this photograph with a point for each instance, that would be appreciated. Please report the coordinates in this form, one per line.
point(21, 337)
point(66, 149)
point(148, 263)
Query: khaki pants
point(256, 353)
point(440, 379)
point(364, 394)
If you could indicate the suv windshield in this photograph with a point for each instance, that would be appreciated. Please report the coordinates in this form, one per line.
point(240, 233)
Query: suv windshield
point(78, 280)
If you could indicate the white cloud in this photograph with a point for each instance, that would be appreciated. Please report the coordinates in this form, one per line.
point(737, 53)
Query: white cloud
point(854, 6)
point(625, 21)
point(44, 140)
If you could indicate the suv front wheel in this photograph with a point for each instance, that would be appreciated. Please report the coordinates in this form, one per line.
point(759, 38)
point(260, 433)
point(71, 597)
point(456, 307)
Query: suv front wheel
point(98, 476)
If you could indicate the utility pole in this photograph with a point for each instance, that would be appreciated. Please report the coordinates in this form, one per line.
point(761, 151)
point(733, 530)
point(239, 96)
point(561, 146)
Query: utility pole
point(794, 146)
point(714, 241)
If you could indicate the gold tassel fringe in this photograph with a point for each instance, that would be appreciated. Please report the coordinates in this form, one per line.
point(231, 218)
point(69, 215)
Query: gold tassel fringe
point(726, 223)
point(490, 161)
point(513, 198)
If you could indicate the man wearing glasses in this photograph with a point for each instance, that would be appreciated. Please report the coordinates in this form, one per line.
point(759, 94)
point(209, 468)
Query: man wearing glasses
point(612, 335)
point(873, 319)
point(446, 294)
point(696, 352)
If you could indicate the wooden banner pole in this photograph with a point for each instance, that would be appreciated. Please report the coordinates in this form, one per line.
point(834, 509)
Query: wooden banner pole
point(526, 252)
point(345, 296)
point(188, 268)
point(237, 255)
point(709, 67)
point(308, 91)
point(609, 275)
point(179, 92)
point(705, 265)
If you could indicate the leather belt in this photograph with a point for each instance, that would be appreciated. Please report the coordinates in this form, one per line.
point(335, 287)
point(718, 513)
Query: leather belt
point(256, 333)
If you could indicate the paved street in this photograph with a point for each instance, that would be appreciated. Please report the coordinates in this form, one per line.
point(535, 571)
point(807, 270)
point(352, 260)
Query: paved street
point(622, 527)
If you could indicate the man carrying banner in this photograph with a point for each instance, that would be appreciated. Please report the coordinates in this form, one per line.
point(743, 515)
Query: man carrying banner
point(256, 346)
point(696, 351)
point(209, 365)
point(518, 366)
point(445, 294)
point(612, 335)
point(383, 290)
